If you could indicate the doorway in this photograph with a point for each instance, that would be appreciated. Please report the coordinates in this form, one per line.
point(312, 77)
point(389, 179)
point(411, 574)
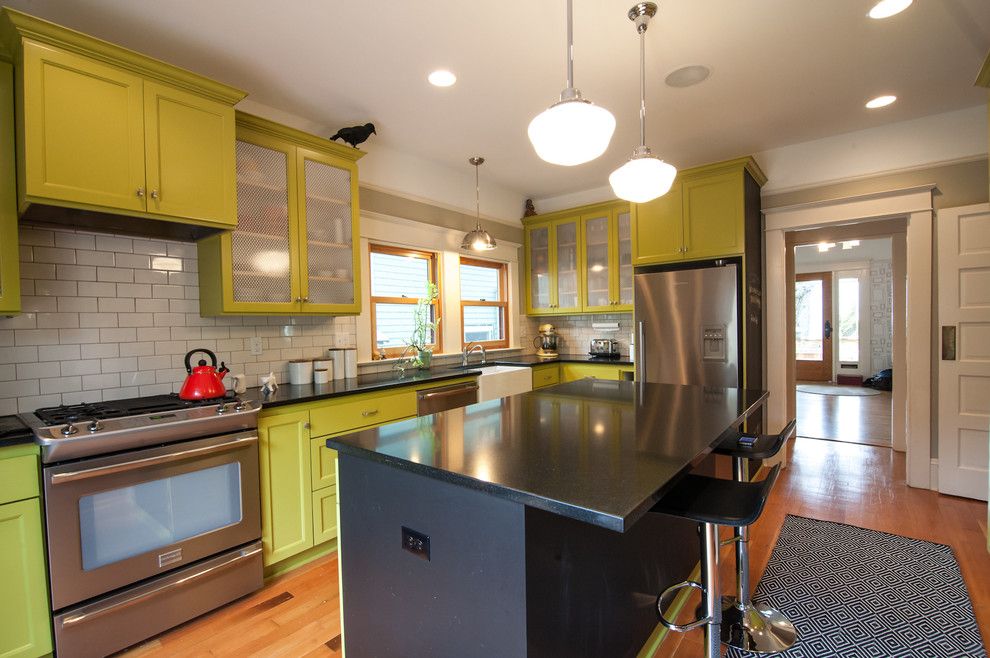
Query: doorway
point(843, 333)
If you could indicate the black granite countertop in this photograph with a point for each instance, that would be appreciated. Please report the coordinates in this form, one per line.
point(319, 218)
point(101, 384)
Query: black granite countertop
point(288, 394)
point(599, 451)
point(533, 360)
point(14, 432)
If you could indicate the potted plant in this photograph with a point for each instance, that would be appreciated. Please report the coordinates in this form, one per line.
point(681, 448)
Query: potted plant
point(424, 329)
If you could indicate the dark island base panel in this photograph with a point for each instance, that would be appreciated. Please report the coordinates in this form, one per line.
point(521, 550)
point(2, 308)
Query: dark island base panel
point(502, 579)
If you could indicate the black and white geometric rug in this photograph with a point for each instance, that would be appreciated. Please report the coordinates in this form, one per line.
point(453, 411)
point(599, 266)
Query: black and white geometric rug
point(852, 593)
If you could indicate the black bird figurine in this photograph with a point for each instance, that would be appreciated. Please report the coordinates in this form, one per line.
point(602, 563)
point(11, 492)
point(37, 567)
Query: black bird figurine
point(355, 134)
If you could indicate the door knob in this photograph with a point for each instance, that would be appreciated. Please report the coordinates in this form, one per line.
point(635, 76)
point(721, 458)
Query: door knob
point(828, 329)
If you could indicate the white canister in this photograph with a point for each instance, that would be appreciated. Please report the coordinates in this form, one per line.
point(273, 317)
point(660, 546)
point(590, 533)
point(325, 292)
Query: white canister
point(321, 376)
point(350, 363)
point(300, 371)
point(324, 364)
point(337, 356)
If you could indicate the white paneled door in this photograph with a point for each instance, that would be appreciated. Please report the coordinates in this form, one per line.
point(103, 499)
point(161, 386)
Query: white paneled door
point(964, 364)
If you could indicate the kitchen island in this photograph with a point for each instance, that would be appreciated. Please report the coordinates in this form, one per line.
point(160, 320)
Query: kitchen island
point(519, 526)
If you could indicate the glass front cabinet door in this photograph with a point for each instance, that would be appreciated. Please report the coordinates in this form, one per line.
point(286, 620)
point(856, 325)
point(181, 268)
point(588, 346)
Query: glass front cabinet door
point(607, 260)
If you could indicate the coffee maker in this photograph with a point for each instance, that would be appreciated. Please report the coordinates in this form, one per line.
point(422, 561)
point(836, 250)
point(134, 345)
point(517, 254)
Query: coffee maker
point(546, 341)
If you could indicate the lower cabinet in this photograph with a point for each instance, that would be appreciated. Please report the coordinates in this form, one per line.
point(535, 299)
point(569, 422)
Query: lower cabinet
point(570, 372)
point(546, 375)
point(25, 620)
point(299, 472)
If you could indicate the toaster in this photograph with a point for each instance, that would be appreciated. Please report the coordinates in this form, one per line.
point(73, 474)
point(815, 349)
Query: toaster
point(604, 347)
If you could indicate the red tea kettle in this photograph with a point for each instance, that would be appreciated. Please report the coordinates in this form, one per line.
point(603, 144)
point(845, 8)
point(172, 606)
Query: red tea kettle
point(204, 381)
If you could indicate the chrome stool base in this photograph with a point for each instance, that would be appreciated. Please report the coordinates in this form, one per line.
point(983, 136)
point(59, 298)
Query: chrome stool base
point(755, 627)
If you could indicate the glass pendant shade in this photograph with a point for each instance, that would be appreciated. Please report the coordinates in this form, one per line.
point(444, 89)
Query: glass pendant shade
point(571, 132)
point(642, 179)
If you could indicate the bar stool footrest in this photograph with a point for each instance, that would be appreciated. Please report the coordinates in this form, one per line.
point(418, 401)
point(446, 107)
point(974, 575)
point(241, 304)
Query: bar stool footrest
point(681, 628)
point(755, 627)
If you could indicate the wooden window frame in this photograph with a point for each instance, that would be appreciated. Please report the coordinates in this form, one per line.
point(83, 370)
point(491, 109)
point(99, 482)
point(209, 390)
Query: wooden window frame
point(433, 275)
point(503, 303)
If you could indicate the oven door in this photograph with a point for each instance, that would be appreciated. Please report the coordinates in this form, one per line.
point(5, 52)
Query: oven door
point(116, 520)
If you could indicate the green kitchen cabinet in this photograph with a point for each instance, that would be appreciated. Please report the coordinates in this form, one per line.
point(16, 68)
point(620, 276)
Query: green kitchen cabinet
point(286, 490)
point(606, 259)
point(705, 214)
point(295, 250)
point(25, 620)
point(10, 283)
point(570, 372)
point(102, 128)
point(553, 275)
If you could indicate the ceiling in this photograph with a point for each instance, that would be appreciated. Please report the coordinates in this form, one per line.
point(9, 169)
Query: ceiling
point(784, 71)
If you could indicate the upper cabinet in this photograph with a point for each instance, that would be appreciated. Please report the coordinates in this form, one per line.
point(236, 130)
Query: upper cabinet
point(579, 260)
point(295, 249)
point(704, 215)
point(553, 277)
point(10, 284)
point(103, 129)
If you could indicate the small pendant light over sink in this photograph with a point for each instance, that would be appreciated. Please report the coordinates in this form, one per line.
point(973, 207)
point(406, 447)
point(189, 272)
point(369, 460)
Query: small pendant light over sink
point(573, 130)
point(479, 239)
point(645, 176)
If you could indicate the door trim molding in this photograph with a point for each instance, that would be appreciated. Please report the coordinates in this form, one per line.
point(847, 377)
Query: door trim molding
point(911, 211)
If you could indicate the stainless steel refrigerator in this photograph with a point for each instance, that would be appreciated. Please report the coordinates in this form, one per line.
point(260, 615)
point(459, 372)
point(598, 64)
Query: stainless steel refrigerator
point(687, 324)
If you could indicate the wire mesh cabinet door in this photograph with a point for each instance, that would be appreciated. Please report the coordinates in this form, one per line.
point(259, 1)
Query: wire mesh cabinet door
point(264, 253)
point(328, 235)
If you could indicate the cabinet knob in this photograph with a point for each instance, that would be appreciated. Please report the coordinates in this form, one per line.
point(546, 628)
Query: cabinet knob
point(140, 192)
point(305, 299)
point(298, 299)
point(155, 195)
point(306, 425)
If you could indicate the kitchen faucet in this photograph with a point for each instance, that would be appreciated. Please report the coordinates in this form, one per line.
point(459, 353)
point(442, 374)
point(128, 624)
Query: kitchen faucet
point(471, 347)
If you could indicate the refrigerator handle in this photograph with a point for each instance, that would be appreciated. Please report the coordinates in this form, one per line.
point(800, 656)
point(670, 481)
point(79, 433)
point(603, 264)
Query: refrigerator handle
point(640, 353)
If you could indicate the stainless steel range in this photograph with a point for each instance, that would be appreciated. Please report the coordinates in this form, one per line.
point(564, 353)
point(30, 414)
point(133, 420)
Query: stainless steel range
point(153, 515)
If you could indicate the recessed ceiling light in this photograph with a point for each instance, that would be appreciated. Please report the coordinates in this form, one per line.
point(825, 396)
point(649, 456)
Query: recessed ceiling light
point(880, 101)
point(442, 78)
point(687, 76)
point(825, 246)
point(849, 244)
point(887, 8)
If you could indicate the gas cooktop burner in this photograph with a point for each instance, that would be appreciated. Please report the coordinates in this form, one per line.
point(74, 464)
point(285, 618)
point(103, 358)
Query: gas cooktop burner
point(119, 408)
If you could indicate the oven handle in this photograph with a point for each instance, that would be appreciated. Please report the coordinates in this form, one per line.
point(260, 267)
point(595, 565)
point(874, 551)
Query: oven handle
point(86, 616)
point(72, 476)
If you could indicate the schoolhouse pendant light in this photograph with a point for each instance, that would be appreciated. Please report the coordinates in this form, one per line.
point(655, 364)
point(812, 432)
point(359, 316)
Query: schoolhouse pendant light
point(573, 130)
point(479, 239)
point(645, 176)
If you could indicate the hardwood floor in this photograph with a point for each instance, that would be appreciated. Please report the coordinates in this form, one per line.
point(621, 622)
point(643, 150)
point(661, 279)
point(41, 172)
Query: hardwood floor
point(863, 486)
point(297, 614)
point(855, 419)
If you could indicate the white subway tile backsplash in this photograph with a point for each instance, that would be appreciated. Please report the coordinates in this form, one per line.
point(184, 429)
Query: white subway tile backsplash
point(60, 385)
point(94, 289)
point(109, 327)
point(74, 273)
point(102, 350)
point(69, 240)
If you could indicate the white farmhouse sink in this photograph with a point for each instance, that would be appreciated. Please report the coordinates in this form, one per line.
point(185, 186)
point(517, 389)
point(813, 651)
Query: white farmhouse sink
point(498, 381)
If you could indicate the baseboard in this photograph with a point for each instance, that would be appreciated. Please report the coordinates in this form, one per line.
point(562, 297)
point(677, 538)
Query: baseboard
point(933, 474)
point(300, 559)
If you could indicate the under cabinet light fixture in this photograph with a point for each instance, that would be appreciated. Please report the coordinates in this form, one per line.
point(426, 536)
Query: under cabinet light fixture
point(573, 130)
point(644, 176)
point(479, 239)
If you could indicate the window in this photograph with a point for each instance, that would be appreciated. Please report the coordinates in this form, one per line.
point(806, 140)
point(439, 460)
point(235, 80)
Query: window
point(484, 303)
point(398, 279)
point(849, 319)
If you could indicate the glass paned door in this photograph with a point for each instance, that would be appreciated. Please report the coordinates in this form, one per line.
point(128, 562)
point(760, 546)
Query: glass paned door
point(813, 326)
point(539, 267)
point(261, 250)
point(329, 242)
point(625, 259)
point(566, 235)
point(848, 319)
point(597, 271)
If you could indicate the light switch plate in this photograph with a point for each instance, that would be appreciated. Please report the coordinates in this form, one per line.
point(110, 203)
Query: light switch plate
point(255, 343)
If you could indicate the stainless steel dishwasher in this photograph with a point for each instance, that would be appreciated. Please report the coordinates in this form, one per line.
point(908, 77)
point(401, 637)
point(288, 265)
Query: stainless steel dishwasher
point(432, 400)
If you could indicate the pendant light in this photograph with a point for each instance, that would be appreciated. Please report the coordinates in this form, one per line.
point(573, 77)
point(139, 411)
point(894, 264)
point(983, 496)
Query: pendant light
point(645, 176)
point(573, 130)
point(479, 239)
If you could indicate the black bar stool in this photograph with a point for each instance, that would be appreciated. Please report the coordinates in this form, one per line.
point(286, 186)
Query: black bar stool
point(758, 627)
point(711, 503)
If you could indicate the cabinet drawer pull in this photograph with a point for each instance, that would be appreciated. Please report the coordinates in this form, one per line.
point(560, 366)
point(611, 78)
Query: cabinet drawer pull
point(372, 412)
